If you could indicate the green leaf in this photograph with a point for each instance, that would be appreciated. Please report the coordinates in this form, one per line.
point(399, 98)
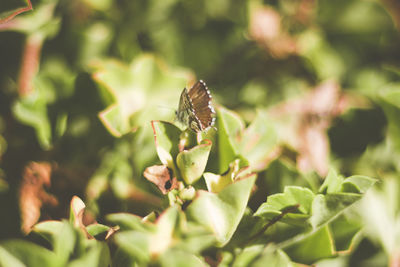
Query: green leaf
point(114, 120)
point(345, 231)
point(53, 82)
point(254, 144)
point(61, 125)
point(262, 256)
point(134, 92)
point(248, 255)
point(216, 182)
point(135, 244)
point(97, 254)
point(318, 245)
point(326, 207)
point(258, 142)
point(142, 245)
point(321, 56)
point(223, 210)
point(27, 253)
point(192, 162)
point(230, 128)
point(101, 5)
point(167, 137)
point(48, 229)
point(334, 183)
point(366, 18)
point(32, 110)
point(361, 183)
point(341, 193)
point(331, 183)
point(292, 196)
point(272, 257)
point(391, 94)
point(390, 102)
point(179, 258)
point(128, 221)
point(194, 238)
point(7, 259)
point(60, 235)
point(379, 210)
point(163, 237)
point(283, 172)
point(97, 230)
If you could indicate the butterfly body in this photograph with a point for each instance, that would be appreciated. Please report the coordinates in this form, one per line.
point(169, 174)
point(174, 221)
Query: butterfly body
point(195, 110)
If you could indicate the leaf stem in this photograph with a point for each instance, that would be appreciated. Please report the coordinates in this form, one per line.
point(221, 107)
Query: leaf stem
point(30, 63)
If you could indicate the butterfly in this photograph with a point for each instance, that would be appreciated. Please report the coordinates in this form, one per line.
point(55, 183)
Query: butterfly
point(195, 110)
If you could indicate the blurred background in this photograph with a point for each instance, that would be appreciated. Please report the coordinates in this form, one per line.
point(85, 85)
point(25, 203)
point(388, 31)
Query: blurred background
point(80, 81)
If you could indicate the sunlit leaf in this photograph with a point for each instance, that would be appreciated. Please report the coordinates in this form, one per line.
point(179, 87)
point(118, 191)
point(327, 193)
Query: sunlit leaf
point(167, 137)
point(318, 245)
point(292, 196)
point(136, 92)
point(97, 254)
point(27, 253)
point(192, 163)
point(180, 258)
point(224, 210)
point(33, 111)
point(258, 142)
point(60, 235)
point(230, 128)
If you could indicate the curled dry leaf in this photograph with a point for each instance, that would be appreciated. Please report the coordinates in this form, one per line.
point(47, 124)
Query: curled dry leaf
point(162, 177)
point(32, 195)
point(77, 207)
point(77, 210)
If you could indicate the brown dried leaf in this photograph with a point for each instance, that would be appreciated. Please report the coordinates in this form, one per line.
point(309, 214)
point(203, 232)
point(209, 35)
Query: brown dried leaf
point(32, 195)
point(318, 110)
point(312, 115)
point(314, 150)
point(265, 28)
point(161, 176)
point(77, 212)
point(112, 231)
point(77, 209)
point(323, 99)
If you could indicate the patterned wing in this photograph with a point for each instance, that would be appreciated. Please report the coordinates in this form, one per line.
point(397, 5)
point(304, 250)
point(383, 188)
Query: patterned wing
point(203, 113)
point(184, 108)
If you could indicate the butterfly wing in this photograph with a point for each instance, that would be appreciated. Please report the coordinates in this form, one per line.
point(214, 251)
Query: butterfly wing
point(184, 108)
point(200, 99)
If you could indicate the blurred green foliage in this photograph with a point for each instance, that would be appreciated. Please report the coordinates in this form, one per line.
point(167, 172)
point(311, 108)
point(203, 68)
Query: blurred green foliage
point(303, 90)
